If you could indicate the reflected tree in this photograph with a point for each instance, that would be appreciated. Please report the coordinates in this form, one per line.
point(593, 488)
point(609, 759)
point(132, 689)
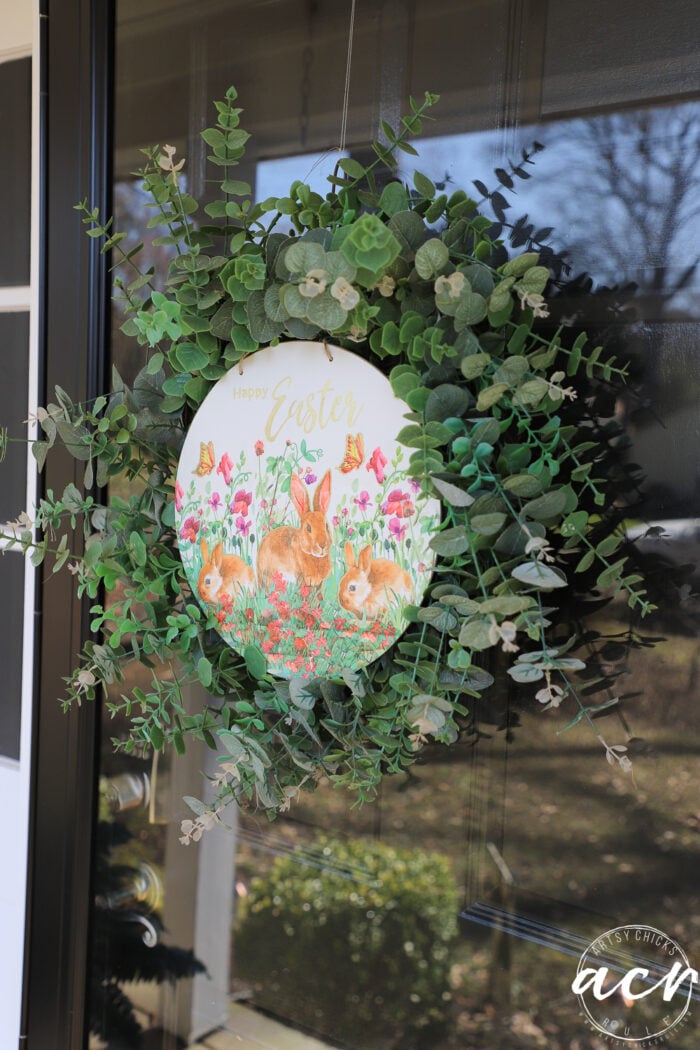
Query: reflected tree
point(627, 193)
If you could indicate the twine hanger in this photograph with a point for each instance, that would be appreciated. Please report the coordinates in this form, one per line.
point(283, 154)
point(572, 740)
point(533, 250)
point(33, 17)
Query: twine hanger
point(341, 144)
point(250, 353)
point(346, 93)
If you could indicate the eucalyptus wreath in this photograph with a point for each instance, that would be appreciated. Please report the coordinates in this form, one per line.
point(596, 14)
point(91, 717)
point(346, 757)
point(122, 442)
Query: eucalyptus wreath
point(415, 279)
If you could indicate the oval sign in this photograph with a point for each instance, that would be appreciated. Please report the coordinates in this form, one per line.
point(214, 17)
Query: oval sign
point(297, 522)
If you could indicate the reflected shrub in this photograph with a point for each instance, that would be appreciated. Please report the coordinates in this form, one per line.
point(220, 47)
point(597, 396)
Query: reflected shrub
point(352, 940)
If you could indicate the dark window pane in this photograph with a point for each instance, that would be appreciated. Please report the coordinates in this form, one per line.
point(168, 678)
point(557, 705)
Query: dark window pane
point(14, 335)
point(15, 170)
point(11, 616)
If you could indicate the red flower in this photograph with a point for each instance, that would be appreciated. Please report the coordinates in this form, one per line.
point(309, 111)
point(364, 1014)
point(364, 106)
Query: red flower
point(189, 530)
point(225, 467)
point(377, 462)
point(259, 448)
point(179, 493)
point(241, 503)
point(398, 503)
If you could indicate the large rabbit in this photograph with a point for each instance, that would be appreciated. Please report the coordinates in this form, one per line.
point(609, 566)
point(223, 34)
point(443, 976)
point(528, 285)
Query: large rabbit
point(222, 574)
point(300, 555)
point(372, 586)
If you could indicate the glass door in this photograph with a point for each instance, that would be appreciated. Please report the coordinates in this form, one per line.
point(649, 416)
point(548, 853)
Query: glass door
point(452, 912)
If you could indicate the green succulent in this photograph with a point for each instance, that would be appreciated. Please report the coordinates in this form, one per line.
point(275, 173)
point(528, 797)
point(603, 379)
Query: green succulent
point(370, 247)
point(243, 275)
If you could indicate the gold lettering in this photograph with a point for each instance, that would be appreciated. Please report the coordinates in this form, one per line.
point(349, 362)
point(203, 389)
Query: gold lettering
point(279, 398)
point(316, 411)
point(353, 409)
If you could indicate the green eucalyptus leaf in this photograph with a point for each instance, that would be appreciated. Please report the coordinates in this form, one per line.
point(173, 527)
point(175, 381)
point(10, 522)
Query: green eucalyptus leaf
point(526, 673)
point(533, 280)
point(393, 198)
point(490, 396)
point(512, 371)
point(520, 264)
point(190, 357)
point(476, 634)
point(447, 401)
point(273, 305)
point(507, 604)
point(524, 486)
point(302, 256)
point(454, 495)
point(487, 524)
point(536, 574)
point(293, 301)
point(450, 542)
point(480, 278)
point(431, 258)
point(351, 167)
point(515, 538)
point(471, 310)
point(326, 312)
point(531, 392)
point(255, 661)
point(403, 380)
point(439, 618)
point(263, 329)
point(550, 505)
point(204, 671)
point(575, 524)
point(423, 185)
point(611, 574)
point(409, 230)
point(473, 365)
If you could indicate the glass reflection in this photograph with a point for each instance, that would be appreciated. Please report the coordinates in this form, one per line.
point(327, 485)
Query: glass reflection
point(450, 913)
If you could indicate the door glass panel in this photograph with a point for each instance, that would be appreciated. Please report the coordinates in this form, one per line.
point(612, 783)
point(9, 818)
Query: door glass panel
point(15, 183)
point(14, 363)
point(450, 913)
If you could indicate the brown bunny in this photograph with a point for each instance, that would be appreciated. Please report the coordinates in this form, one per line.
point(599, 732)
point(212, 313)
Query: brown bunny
point(222, 574)
point(372, 586)
point(301, 555)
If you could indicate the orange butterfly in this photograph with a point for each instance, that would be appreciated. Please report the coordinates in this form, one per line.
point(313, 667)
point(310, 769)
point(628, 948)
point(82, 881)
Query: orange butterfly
point(354, 453)
point(206, 459)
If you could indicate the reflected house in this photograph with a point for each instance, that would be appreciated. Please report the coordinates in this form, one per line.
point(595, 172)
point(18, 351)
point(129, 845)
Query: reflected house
point(451, 912)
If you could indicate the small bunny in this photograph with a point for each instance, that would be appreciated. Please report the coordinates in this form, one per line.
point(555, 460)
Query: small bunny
point(301, 555)
point(371, 587)
point(222, 574)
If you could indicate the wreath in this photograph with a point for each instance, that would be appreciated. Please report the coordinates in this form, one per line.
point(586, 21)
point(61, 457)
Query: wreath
point(416, 280)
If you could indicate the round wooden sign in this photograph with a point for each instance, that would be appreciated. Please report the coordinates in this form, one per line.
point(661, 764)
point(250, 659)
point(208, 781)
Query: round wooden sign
point(297, 522)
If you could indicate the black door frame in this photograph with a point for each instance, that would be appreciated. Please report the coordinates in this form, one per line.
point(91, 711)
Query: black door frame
point(76, 76)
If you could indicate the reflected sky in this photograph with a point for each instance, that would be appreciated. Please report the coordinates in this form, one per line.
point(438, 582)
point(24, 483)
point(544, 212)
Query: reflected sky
point(620, 191)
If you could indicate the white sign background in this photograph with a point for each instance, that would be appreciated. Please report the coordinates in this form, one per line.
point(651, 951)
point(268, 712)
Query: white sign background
point(307, 446)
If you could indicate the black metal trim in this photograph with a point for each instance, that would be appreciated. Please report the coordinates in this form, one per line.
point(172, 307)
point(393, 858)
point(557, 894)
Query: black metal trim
point(75, 162)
